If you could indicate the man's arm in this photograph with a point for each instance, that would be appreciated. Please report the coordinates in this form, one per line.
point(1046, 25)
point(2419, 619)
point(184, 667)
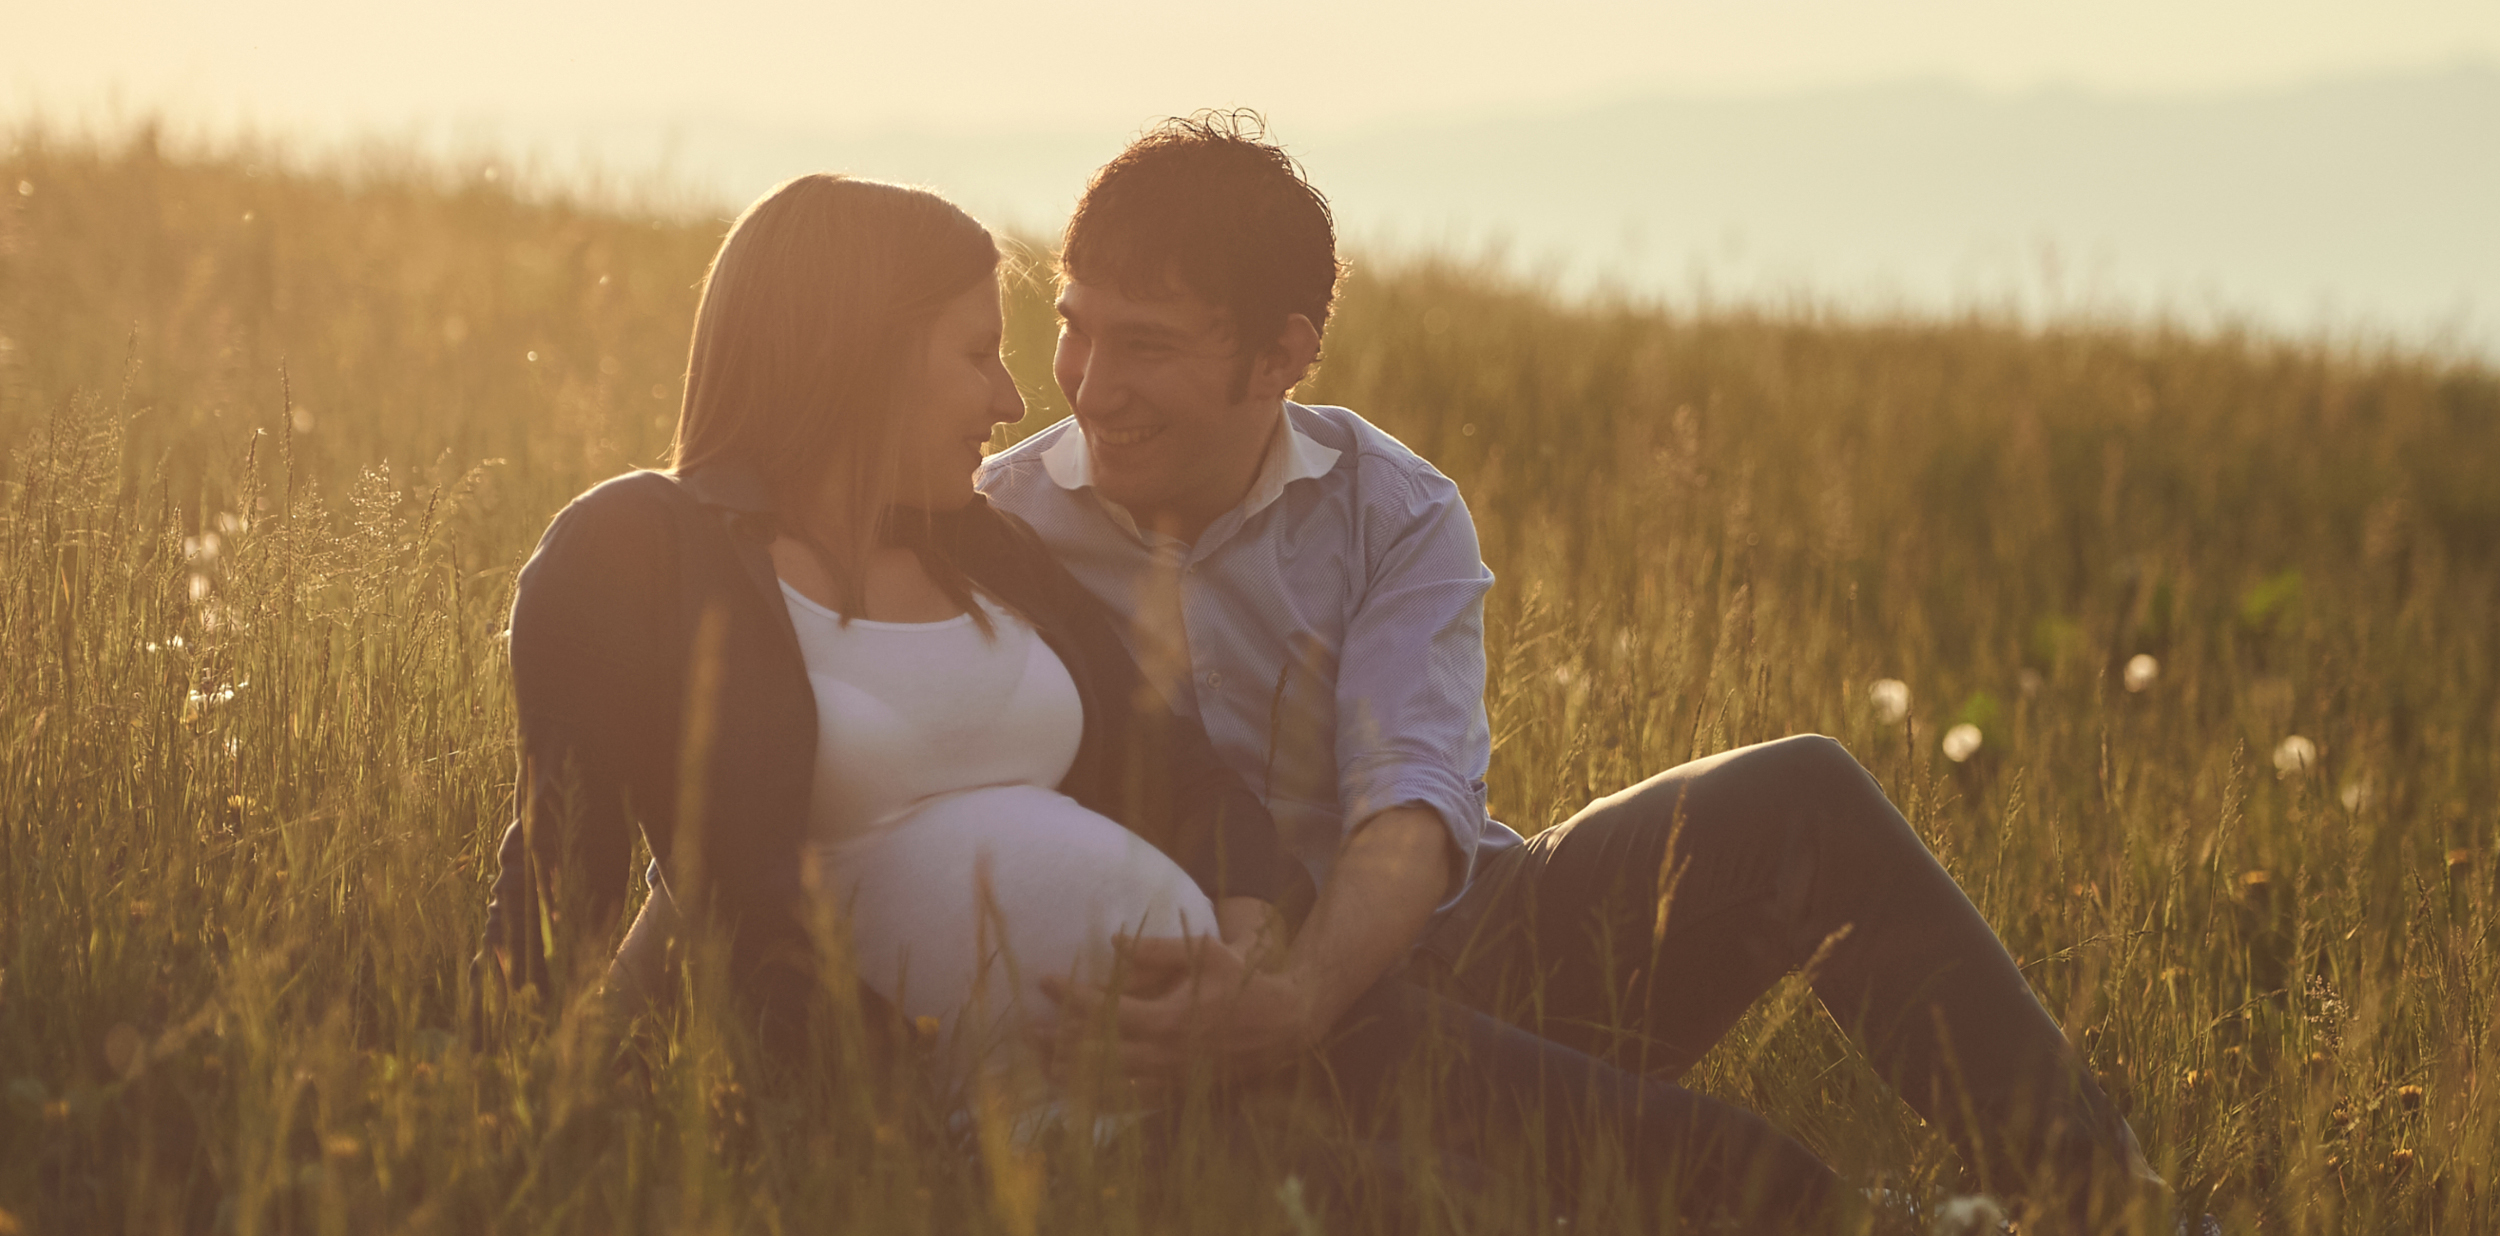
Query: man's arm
point(1388, 877)
point(1412, 749)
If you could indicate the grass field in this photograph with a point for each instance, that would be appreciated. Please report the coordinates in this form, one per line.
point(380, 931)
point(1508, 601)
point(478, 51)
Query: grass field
point(2221, 609)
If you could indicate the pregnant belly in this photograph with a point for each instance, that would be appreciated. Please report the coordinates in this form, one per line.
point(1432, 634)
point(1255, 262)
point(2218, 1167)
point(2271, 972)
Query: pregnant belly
point(959, 910)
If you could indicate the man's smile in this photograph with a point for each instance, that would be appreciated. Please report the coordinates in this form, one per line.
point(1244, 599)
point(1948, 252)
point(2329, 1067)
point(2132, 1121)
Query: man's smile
point(1105, 435)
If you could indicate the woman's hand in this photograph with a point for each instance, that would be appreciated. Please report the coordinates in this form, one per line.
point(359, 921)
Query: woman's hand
point(1186, 999)
point(1253, 928)
point(1182, 998)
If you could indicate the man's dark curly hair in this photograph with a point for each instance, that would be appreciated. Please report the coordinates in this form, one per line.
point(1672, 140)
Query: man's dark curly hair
point(1206, 204)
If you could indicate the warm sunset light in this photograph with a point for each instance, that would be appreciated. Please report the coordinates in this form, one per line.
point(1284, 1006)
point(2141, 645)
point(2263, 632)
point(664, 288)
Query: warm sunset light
point(1788, 617)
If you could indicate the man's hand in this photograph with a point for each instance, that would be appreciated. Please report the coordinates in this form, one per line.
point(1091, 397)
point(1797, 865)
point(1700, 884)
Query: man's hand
point(1187, 998)
point(1225, 998)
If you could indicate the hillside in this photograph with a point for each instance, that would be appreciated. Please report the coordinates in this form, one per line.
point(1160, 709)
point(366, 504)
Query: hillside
point(2218, 605)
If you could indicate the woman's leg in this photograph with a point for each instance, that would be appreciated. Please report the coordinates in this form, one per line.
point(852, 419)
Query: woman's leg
point(1644, 926)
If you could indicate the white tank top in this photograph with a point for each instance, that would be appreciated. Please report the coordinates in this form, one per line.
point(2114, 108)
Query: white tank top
point(965, 874)
point(909, 711)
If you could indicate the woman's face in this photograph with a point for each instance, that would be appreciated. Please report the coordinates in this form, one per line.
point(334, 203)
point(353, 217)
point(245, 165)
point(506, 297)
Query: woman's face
point(948, 408)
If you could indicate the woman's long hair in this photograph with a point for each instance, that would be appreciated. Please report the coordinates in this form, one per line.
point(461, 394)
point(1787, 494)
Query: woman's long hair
point(813, 315)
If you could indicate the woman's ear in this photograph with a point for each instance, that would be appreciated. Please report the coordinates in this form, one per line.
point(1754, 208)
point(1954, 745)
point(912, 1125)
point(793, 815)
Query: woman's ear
point(1289, 359)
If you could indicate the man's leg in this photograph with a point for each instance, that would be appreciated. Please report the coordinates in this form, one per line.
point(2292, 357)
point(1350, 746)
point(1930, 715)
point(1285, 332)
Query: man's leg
point(1405, 1060)
point(1644, 926)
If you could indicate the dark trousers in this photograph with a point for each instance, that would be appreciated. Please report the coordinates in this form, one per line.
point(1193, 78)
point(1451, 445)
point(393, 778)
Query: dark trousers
point(1584, 971)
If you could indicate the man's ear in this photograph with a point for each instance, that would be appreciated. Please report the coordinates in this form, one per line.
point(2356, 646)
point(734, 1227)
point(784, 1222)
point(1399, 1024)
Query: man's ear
point(1288, 360)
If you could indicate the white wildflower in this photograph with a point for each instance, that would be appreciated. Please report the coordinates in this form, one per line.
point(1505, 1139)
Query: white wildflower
point(1962, 742)
point(2357, 793)
point(1891, 698)
point(2142, 669)
point(2295, 754)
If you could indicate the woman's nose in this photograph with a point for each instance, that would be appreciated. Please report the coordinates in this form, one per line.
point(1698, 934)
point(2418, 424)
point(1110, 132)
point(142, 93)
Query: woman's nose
point(1006, 401)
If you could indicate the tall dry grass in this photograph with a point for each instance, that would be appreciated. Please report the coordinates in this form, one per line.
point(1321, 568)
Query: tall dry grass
point(278, 439)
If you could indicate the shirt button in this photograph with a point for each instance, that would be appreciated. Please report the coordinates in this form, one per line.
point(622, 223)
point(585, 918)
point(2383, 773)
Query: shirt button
point(1215, 678)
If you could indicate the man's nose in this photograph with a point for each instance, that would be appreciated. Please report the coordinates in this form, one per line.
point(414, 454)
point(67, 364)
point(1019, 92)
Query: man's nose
point(1089, 384)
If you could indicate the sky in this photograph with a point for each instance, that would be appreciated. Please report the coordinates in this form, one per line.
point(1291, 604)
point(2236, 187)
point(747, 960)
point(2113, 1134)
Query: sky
point(2308, 165)
point(1314, 65)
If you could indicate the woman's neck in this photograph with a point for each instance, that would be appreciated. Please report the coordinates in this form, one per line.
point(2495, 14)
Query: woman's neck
point(894, 586)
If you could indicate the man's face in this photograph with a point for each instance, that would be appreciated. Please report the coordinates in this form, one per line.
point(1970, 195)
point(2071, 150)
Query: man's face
point(1155, 385)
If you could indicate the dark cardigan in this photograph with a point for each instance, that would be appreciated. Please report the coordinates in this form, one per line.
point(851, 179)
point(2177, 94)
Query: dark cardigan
point(659, 685)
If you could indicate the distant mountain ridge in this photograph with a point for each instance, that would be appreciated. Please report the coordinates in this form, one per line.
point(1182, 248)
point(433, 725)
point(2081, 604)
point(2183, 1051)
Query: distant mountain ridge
point(2369, 203)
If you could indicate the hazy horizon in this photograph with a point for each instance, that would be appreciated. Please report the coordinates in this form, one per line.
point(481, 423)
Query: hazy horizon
point(2305, 166)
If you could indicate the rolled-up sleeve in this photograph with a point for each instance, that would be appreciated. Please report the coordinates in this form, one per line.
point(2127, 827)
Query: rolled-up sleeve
point(1411, 725)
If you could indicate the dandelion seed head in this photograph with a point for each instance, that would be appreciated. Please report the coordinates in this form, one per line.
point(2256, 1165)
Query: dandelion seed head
point(533, 356)
point(2295, 754)
point(1891, 698)
point(300, 419)
point(2030, 681)
point(2357, 794)
point(1962, 742)
point(26, 188)
point(2142, 670)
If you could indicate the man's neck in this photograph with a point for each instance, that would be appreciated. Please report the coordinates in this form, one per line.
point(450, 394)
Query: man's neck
point(1186, 522)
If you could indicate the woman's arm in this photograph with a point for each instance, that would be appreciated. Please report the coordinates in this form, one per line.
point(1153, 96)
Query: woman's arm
point(596, 706)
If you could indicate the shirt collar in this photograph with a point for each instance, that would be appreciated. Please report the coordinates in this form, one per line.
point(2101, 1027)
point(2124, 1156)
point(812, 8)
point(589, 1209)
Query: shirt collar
point(1299, 457)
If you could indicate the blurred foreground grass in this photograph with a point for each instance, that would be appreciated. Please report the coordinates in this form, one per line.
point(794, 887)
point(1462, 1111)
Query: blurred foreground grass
point(2220, 611)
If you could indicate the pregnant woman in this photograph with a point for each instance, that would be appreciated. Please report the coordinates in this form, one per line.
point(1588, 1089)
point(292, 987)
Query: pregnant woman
point(815, 670)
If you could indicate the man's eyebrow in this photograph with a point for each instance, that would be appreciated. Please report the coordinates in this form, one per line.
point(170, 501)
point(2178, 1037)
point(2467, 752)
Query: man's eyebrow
point(1146, 332)
point(1128, 332)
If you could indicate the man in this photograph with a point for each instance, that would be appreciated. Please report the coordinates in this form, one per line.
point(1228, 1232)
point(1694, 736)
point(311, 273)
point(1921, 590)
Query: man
point(1312, 591)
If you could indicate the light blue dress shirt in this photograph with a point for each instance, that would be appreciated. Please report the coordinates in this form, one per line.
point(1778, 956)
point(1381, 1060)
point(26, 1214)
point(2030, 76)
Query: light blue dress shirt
point(1328, 631)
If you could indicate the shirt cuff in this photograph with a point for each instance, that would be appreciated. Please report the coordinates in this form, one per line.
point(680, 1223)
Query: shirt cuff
point(1458, 801)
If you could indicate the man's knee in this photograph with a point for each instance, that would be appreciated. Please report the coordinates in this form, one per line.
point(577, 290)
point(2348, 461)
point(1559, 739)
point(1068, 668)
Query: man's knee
point(1812, 769)
point(1813, 757)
